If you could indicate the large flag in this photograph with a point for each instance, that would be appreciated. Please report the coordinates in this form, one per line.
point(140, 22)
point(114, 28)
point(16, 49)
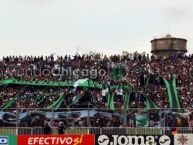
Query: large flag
point(126, 103)
point(150, 104)
point(141, 120)
point(8, 103)
point(86, 83)
point(76, 100)
point(82, 83)
point(110, 102)
point(117, 72)
point(172, 92)
point(56, 104)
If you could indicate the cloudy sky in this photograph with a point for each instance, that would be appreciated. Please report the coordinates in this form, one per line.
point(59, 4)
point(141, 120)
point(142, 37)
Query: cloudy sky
point(36, 27)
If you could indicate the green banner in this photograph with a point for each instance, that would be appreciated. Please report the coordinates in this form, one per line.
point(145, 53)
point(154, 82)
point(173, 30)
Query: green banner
point(110, 102)
point(117, 72)
point(150, 104)
point(126, 103)
point(57, 103)
point(86, 83)
point(8, 140)
point(172, 93)
point(9, 103)
point(76, 100)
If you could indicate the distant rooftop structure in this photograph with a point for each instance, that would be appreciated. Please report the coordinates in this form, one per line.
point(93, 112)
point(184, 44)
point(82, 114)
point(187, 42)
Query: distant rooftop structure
point(168, 36)
point(168, 45)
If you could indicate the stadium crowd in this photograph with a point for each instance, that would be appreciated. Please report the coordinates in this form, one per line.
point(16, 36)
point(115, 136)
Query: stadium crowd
point(141, 72)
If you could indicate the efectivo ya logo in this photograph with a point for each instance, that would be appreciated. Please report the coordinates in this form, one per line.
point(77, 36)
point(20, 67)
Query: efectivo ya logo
point(4, 140)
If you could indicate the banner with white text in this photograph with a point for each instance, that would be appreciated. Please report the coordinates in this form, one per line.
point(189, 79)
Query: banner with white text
point(56, 139)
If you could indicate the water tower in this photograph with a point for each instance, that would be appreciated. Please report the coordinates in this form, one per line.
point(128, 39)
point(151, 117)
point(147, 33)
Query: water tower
point(168, 45)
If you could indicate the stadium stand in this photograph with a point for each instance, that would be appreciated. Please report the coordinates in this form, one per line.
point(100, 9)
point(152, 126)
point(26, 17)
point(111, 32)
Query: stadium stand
point(93, 90)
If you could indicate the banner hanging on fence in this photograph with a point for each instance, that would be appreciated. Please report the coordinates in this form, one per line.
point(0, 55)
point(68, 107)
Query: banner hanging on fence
point(183, 139)
point(56, 139)
point(134, 140)
point(8, 140)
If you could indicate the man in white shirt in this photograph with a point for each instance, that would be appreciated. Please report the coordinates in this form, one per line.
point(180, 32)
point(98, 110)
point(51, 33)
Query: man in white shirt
point(119, 94)
point(105, 94)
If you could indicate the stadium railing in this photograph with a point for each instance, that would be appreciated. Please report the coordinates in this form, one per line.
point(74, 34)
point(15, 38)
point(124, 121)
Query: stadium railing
point(142, 115)
point(84, 130)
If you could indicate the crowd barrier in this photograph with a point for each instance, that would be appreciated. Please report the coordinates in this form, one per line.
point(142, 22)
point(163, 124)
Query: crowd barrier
point(104, 130)
point(97, 117)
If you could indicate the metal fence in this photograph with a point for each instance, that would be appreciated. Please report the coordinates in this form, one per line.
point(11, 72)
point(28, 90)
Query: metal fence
point(97, 117)
point(133, 121)
point(124, 130)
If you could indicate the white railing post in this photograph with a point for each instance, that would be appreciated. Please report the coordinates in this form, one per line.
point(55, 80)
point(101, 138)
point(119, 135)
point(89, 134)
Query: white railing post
point(16, 131)
point(101, 130)
point(31, 129)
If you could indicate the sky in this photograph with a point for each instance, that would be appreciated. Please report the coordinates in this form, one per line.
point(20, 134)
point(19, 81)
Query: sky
point(42, 27)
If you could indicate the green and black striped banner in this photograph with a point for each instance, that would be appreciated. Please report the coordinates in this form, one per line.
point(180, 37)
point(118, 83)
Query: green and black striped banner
point(126, 103)
point(117, 73)
point(172, 92)
point(110, 102)
point(150, 104)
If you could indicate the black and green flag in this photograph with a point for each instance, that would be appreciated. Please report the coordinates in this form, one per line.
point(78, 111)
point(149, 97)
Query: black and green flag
point(126, 103)
point(110, 102)
point(172, 92)
point(150, 104)
point(56, 104)
point(9, 103)
point(117, 72)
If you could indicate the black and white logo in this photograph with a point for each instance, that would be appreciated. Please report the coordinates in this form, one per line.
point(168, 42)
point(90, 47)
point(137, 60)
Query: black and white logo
point(164, 140)
point(103, 140)
point(134, 140)
point(3, 140)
